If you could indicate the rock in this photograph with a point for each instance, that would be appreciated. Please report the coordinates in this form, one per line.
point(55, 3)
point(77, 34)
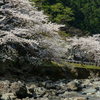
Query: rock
point(50, 90)
point(47, 77)
point(98, 94)
point(96, 83)
point(1, 2)
point(64, 98)
point(97, 88)
point(13, 97)
point(44, 99)
point(97, 79)
point(27, 98)
point(5, 97)
point(74, 85)
point(67, 94)
point(60, 92)
point(19, 89)
point(79, 98)
point(91, 91)
point(7, 86)
point(37, 91)
point(10, 95)
point(86, 83)
point(42, 84)
point(50, 86)
point(0, 95)
point(4, 87)
point(1, 87)
point(31, 87)
point(61, 85)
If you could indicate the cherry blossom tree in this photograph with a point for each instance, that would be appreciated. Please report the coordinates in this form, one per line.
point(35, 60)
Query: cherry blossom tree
point(87, 47)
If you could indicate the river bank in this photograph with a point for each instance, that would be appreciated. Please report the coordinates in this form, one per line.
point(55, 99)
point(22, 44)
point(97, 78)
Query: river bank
point(39, 88)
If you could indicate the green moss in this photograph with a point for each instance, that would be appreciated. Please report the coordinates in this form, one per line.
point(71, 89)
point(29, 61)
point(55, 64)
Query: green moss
point(83, 66)
point(56, 64)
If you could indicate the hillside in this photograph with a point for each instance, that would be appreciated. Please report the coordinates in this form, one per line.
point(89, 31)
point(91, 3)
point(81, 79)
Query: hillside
point(37, 56)
point(81, 14)
point(27, 38)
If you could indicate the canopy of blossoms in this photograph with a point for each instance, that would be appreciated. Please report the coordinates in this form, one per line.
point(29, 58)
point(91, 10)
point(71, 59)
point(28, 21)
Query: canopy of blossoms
point(89, 45)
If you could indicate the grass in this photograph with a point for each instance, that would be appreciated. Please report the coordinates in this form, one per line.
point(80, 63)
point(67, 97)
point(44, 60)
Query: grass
point(56, 64)
point(82, 66)
point(51, 69)
point(55, 70)
point(64, 64)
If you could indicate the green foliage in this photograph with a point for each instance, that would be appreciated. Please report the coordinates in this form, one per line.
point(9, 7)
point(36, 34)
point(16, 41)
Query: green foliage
point(82, 14)
point(83, 66)
point(49, 68)
point(63, 34)
point(61, 14)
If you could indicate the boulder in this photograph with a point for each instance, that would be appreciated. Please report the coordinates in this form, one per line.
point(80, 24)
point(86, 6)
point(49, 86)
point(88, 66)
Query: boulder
point(37, 92)
point(98, 94)
point(4, 87)
point(67, 94)
point(44, 83)
point(96, 83)
point(5, 97)
point(8, 96)
point(86, 83)
point(50, 86)
point(79, 98)
point(19, 89)
point(91, 91)
point(60, 85)
point(74, 85)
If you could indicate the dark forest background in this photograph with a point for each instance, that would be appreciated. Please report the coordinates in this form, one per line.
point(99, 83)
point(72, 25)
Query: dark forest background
point(81, 14)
